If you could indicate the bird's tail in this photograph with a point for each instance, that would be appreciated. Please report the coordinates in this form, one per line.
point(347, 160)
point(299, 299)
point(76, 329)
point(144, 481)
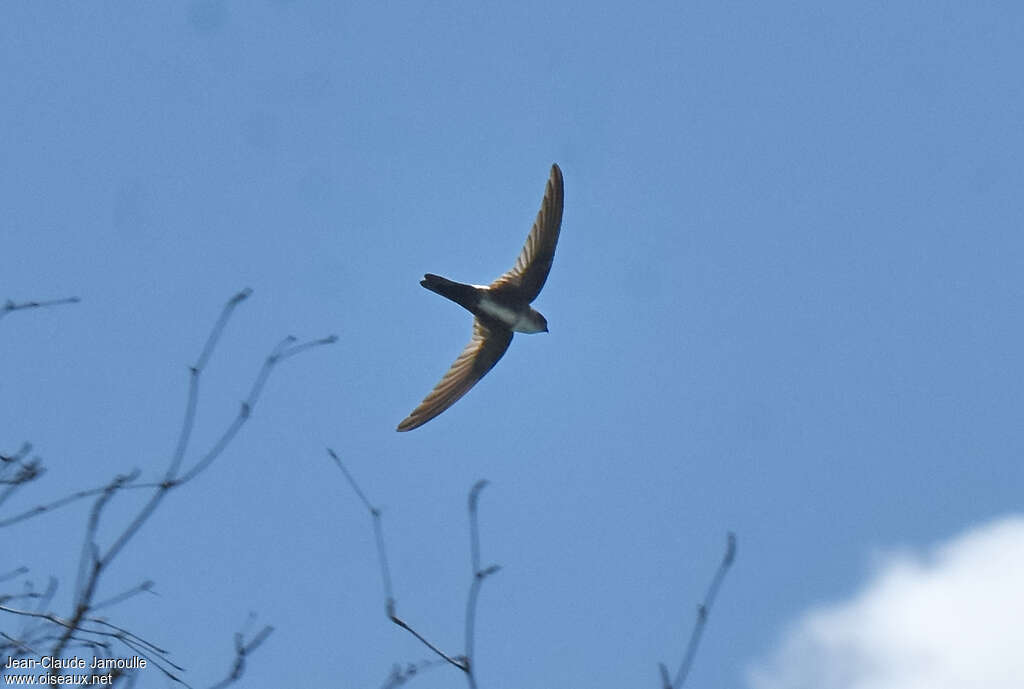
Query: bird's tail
point(464, 295)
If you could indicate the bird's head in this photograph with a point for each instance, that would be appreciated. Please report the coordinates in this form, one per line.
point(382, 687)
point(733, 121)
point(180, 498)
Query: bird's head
point(536, 322)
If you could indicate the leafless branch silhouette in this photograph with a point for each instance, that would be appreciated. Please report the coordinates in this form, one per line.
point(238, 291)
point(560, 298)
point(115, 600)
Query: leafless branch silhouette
point(10, 306)
point(15, 472)
point(463, 662)
point(703, 610)
point(242, 649)
point(401, 674)
point(82, 628)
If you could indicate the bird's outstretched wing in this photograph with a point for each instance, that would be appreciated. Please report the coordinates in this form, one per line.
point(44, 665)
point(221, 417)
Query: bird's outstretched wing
point(534, 262)
point(480, 355)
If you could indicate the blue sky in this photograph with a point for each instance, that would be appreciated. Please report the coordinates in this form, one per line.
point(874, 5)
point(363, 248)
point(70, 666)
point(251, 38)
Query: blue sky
point(784, 303)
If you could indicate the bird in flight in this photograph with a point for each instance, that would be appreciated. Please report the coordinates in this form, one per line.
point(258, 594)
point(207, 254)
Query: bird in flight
point(500, 308)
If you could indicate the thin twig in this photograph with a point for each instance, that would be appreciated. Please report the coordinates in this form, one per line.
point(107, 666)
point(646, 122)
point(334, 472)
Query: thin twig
point(474, 530)
point(94, 561)
point(279, 354)
point(378, 531)
point(478, 577)
point(66, 500)
point(10, 306)
point(389, 605)
point(19, 644)
point(382, 557)
point(119, 634)
point(90, 558)
point(135, 638)
point(703, 610)
point(400, 675)
point(157, 661)
point(284, 350)
point(26, 596)
point(463, 662)
point(193, 386)
point(144, 587)
point(9, 461)
point(243, 649)
point(43, 601)
point(26, 471)
point(47, 596)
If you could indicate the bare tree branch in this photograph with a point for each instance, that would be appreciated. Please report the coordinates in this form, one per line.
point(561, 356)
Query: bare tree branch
point(144, 587)
point(25, 472)
point(66, 500)
point(703, 610)
point(7, 461)
point(382, 554)
point(242, 649)
point(463, 662)
point(284, 350)
point(10, 306)
point(134, 641)
point(400, 675)
point(89, 574)
point(82, 628)
point(193, 385)
point(43, 601)
point(478, 575)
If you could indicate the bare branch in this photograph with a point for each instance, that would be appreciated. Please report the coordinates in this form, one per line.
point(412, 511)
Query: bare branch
point(400, 675)
point(144, 587)
point(26, 472)
point(90, 558)
point(474, 530)
point(281, 352)
point(135, 638)
point(18, 644)
point(385, 570)
point(133, 641)
point(43, 601)
point(193, 386)
point(94, 560)
point(457, 661)
point(157, 661)
point(66, 500)
point(382, 554)
point(21, 454)
point(10, 306)
point(463, 662)
point(284, 350)
point(243, 649)
point(703, 610)
point(478, 576)
point(7, 462)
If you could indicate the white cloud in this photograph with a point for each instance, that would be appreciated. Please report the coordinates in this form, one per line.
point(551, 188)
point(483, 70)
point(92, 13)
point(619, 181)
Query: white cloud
point(950, 617)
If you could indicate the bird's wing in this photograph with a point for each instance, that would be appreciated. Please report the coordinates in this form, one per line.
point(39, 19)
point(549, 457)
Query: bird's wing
point(480, 355)
point(534, 262)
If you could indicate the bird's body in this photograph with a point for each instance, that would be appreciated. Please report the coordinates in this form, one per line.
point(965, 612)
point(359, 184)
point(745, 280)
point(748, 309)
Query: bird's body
point(501, 308)
point(507, 309)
